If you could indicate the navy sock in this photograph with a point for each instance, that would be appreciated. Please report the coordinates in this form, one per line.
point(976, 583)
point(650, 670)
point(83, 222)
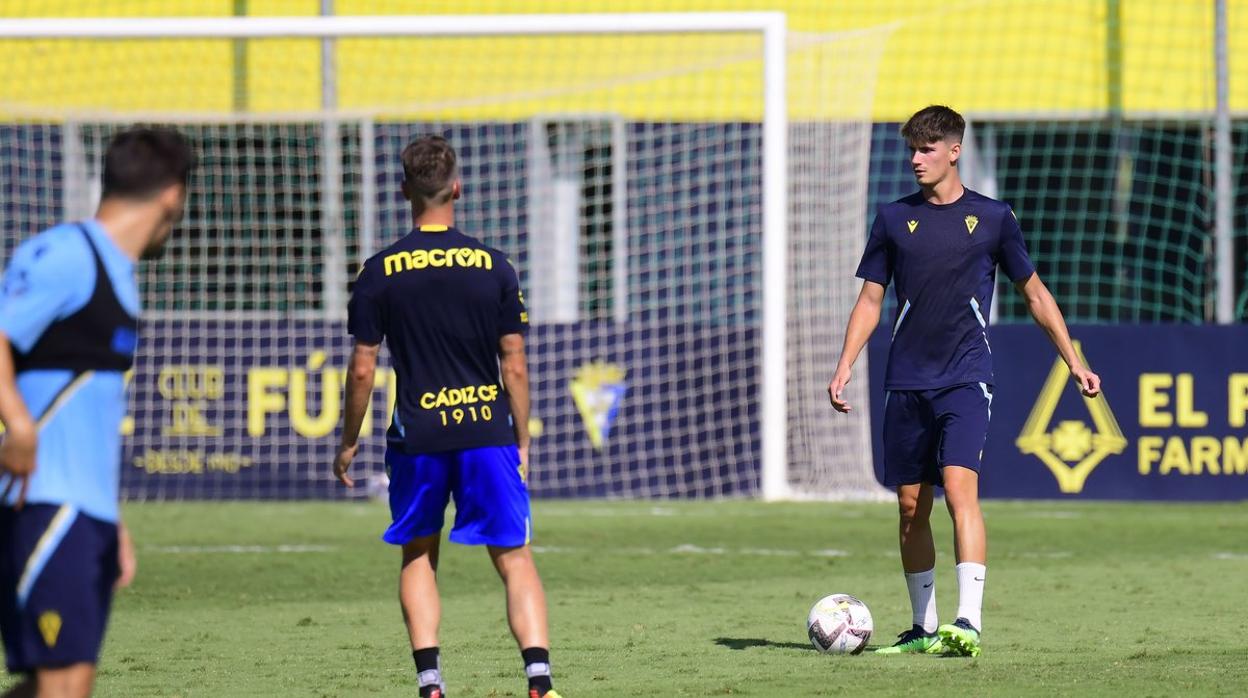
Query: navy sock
point(428, 670)
point(537, 668)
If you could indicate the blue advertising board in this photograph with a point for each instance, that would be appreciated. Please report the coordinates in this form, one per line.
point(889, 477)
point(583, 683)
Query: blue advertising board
point(253, 409)
point(1170, 424)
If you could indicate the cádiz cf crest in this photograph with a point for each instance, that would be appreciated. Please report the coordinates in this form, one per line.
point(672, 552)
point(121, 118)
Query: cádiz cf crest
point(50, 627)
point(971, 222)
point(598, 388)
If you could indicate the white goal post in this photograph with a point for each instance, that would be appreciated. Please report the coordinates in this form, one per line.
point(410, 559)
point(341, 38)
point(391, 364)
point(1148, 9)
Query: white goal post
point(775, 408)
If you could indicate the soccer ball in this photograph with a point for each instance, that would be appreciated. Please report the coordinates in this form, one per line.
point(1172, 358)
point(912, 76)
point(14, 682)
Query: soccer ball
point(839, 624)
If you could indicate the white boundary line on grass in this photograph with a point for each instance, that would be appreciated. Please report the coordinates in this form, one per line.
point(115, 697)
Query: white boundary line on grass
point(238, 549)
point(692, 549)
point(681, 549)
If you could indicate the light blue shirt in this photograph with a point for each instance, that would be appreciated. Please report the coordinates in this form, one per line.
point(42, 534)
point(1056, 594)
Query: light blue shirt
point(52, 276)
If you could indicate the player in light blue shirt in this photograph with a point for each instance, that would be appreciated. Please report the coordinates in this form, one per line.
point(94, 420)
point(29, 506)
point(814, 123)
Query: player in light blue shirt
point(69, 308)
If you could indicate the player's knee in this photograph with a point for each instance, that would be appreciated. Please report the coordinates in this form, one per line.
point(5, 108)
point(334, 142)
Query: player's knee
point(509, 561)
point(424, 546)
point(914, 504)
point(961, 487)
point(962, 502)
point(510, 555)
point(910, 513)
point(68, 682)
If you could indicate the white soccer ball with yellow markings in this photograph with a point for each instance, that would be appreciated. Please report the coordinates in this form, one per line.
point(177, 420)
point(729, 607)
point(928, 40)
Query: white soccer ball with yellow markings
point(839, 624)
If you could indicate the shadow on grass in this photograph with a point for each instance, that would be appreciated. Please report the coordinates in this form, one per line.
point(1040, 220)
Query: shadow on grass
point(743, 643)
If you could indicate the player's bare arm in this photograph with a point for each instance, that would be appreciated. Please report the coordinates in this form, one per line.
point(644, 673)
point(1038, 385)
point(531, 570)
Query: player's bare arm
point(1048, 316)
point(862, 322)
point(359, 390)
point(17, 452)
point(515, 370)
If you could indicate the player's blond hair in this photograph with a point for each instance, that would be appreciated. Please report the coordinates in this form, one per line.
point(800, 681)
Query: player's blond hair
point(429, 171)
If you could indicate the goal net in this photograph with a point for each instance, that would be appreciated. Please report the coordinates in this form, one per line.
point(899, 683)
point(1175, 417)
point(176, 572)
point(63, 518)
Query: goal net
point(685, 238)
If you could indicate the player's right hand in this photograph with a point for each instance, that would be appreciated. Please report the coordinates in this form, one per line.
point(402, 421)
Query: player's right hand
point(836, 387)
point(17, 458)
point(342, 463)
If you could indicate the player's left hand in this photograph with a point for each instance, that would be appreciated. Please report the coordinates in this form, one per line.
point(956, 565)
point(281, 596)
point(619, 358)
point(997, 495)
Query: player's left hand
point(1089, 382)
point(127, 563)
point(342, 463)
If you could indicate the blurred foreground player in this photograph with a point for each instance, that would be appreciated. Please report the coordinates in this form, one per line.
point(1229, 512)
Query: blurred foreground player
point(69, 311)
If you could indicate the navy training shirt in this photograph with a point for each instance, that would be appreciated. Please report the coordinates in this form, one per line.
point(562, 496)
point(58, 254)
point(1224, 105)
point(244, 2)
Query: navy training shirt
point(942, 260)
point(441, 301)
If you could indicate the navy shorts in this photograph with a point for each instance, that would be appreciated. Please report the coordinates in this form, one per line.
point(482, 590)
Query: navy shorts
point(925, 430)
point(57, 571)
point(491, 499)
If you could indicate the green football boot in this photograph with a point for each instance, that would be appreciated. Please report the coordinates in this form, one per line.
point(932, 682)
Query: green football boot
point(916, 640)
point(960, 637)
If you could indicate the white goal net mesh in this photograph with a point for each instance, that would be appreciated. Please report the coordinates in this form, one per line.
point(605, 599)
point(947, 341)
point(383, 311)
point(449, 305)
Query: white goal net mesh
point(621, 172)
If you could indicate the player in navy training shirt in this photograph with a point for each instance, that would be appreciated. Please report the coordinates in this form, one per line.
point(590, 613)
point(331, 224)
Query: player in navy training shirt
point(941, 247)
point(451, 312)
point(68, 331)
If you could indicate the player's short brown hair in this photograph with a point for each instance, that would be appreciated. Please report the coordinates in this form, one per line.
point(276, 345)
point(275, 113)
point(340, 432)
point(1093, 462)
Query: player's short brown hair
point(429, 171)
point(140, 162)
point(934, 123)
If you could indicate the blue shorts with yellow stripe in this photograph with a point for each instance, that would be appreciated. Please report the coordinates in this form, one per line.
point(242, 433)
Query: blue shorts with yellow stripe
point(491, 499)
point(57, 571)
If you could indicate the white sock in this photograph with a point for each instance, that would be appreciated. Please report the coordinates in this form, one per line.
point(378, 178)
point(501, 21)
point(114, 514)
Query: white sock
point(922, 587)
point(971, 592)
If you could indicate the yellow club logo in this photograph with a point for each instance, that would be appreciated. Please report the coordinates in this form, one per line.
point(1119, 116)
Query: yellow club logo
point(971, 222)
point(1072, 449)
point(50, 627)
point(598, 388)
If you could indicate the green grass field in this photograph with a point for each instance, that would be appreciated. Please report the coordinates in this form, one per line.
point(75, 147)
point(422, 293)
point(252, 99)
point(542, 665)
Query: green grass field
point(683, 599)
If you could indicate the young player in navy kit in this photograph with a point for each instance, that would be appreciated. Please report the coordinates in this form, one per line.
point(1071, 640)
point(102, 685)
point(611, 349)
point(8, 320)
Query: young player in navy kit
point(941, 248)
point(69, 312)
point(451, 312)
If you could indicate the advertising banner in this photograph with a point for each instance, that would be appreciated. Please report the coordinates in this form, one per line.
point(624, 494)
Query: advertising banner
point(253, 409)
point(1170, 424)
